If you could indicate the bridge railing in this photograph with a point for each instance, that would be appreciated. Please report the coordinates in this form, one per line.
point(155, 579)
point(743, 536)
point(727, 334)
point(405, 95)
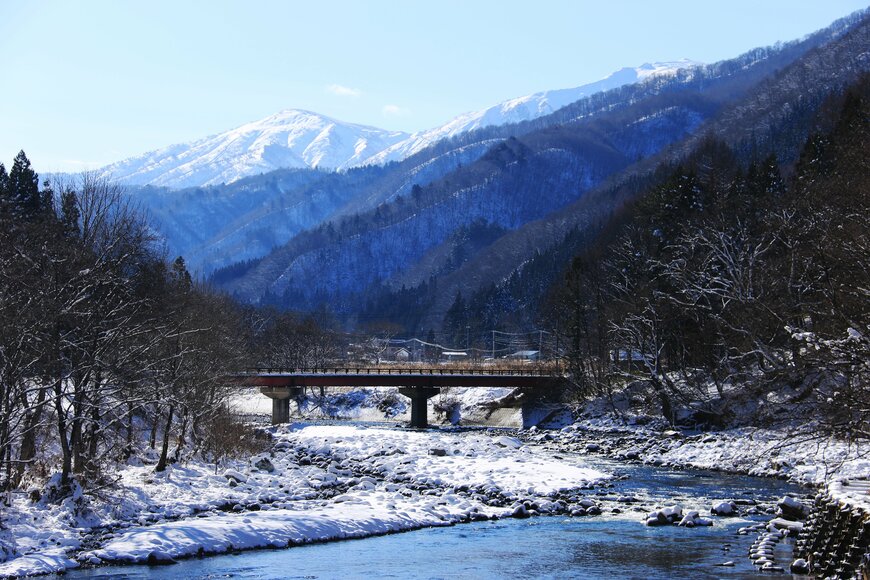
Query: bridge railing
point(355, 370)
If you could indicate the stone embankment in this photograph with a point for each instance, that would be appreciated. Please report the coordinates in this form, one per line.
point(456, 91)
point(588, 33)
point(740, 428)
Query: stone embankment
point(835, 542)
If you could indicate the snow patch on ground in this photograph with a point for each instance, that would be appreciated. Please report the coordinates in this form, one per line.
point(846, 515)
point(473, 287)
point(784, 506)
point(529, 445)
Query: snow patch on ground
point(469, 459)
point(754, 451)
point(316, 483)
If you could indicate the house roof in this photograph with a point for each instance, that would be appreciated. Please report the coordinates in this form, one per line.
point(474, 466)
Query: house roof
point(525, 353)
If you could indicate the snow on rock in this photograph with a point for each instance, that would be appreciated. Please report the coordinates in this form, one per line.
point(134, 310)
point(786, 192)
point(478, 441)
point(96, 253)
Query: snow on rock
point(235, 476)
point(800, 566)
point(510, 442)
point(762, 551)
point(8, 546)
point(365, 516)
point(472, 460)
point(53, 561)
point(783, 524)
point(851, 491)
point(754, 451)
point(325, 483)
point(262, 463)
point(693, 518)
point(724, 508)
point(665, 516)
point(792, 509)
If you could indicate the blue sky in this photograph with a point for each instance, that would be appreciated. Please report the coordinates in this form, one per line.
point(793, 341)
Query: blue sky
point(88, 83)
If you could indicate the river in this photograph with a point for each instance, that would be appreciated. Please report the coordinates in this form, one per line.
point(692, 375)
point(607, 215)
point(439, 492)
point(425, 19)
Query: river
point(606, 546)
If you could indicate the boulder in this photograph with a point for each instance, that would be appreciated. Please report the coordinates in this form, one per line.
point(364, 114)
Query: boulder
point(791, 509)
point(509, 442)
point(158, 558)
point(792, 526)
point(520, 512)
point(724, 508)
point(235, 476)
point(263, 464)
point(800, 566)
point(665, 516)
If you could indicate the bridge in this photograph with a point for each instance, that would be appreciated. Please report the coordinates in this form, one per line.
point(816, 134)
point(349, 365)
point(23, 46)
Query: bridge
point(418, 384)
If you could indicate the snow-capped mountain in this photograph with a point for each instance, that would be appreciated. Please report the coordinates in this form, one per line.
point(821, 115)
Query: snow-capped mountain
point(295, 138)
point(525, 108)
point(289, 139)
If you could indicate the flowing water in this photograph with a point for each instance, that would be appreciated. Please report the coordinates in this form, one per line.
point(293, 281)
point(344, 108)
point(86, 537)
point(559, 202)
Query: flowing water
point(606, 546)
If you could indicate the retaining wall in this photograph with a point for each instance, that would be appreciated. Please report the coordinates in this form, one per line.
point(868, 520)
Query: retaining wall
point(836, 538)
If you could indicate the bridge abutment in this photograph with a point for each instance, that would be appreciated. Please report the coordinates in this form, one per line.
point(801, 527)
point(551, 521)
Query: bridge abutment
point(419, 403)
point(280, 402)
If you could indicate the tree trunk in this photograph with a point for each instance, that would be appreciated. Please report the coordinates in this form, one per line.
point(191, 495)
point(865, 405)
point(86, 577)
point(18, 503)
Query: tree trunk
point(66, 467)
point(93, 441)
point(664, 399)
point(153, 438)
point(182, 432)
point(161, 464)
point(76, 437)
point(28, 439)
point(128, 451)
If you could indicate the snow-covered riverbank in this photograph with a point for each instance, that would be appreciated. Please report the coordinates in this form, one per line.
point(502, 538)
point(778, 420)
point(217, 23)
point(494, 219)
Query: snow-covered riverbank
point(327, 482)
point(317, 483)
point(783, 453)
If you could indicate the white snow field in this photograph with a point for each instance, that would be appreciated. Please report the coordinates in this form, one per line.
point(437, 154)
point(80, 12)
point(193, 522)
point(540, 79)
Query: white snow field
point(317, 483)
point(782, 452)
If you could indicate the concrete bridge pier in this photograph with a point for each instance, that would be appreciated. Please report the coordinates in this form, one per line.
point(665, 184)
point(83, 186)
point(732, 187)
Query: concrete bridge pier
point(419, 407)
point(281, 401)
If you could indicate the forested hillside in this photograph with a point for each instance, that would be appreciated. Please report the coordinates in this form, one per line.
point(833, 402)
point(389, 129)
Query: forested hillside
point(775, 118)
point(105, 347)
point(742, 288)
point(559, 175)
point(219, 225)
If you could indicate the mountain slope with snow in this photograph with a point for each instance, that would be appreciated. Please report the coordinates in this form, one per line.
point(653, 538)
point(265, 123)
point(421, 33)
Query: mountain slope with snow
point(294, 138)
point(525, 108)
point(538, 181)
point(289, 139)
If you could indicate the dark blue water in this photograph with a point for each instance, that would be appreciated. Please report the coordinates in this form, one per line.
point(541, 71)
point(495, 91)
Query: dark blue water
point(604, 546)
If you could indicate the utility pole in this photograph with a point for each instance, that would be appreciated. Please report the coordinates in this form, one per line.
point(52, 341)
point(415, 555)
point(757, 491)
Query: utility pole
point(556, 332)
point(540, 344)
point(493, 345)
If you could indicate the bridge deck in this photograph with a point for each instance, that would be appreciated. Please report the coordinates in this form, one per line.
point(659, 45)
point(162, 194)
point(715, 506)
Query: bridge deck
point(395, 377)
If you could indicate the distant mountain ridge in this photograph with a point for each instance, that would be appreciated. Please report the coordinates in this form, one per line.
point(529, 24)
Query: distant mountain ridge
point(540, 179)
point(526, 108)
point(286, 140)
point(294, 139)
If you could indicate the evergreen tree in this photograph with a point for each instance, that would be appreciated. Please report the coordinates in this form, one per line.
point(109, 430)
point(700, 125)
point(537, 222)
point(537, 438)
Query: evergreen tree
point(456, 320)
point(765, 178)
point(430, 352)
point(70, 214)
point(4, 181)
point(24, 187)
point(5, 201)
point(180, 276)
